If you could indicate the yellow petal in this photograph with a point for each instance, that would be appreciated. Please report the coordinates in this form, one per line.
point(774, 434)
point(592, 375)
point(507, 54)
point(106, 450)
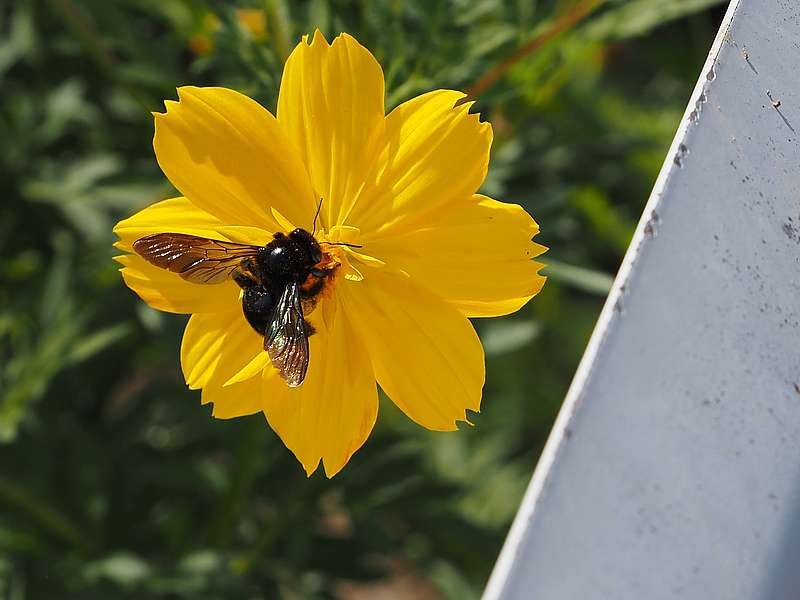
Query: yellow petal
point(425, 353)
point(216, 347)
point(236, 400)
point(178, 215)
point(167, 291)
point(256, 365)
point(477, 256)
point(228, 155)
point(331, 105)
point(332, 413)
point(435, 153)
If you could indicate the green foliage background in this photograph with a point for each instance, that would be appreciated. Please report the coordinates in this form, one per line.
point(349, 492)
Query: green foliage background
point(114, 481)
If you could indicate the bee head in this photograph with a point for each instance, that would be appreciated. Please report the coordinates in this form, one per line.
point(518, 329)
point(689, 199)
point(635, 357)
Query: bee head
point(308, 243)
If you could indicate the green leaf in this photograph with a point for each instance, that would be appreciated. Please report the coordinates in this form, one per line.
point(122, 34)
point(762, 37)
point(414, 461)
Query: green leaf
point(637, 17)
point(581, 278)
point(92, 344)
point(123, 568)
point(501, 337)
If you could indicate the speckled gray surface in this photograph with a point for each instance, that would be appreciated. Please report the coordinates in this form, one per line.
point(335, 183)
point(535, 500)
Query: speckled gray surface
point(674, 468)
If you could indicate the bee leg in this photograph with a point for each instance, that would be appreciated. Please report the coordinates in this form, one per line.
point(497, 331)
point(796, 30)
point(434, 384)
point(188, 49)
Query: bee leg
point(243, 280)
point(309, 328)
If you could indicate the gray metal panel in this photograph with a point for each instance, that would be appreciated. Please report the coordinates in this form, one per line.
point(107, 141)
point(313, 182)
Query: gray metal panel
point(673, 470)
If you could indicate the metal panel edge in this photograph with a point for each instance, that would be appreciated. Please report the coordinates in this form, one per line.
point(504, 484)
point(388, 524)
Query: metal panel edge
point(506, 561)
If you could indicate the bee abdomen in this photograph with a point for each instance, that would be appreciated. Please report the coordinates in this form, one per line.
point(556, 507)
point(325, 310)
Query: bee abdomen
point(258, 304)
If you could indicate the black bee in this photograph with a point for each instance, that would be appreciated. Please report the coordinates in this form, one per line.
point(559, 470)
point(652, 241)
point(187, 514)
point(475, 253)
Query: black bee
point(281, 281)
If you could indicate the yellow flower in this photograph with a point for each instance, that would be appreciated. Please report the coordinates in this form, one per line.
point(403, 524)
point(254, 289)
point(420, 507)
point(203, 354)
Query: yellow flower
point(253, 21)
point(401, 186)
point(202, 41)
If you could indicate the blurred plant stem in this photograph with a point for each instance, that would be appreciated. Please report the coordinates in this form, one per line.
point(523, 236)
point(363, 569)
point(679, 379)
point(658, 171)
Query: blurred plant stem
point(279, 24)
point(83, 29)
point(40, 511)
point(564, 23)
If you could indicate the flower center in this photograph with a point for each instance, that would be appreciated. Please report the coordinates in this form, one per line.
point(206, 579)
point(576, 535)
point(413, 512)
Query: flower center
point(334, 246)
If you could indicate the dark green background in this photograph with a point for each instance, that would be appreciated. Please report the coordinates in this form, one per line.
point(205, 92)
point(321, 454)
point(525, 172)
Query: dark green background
point(114, 481)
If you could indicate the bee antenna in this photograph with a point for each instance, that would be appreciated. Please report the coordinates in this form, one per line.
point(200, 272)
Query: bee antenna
point(342, 244)
point(314, 226)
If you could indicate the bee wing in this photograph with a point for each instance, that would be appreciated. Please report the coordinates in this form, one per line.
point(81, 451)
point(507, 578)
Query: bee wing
point(196, 259)
point(286, 338)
